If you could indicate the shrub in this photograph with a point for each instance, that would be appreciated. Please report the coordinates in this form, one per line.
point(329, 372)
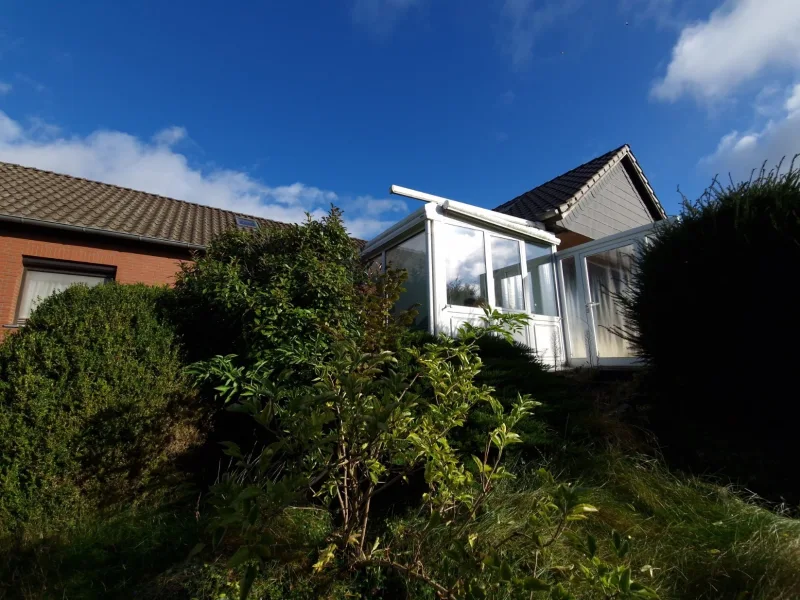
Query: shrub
point(90, 390)
point(713, 313)
point(257, 293)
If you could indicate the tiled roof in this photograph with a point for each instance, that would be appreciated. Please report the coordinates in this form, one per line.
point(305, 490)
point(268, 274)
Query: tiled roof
point(558, 194)
point(46, 198)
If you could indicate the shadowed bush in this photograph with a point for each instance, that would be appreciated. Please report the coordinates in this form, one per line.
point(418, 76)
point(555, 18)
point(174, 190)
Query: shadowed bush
point(93, 401)
point(714, 315)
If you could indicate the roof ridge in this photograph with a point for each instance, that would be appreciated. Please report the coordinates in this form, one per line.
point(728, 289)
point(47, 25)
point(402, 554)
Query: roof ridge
point(611, 154)
point(128, 189)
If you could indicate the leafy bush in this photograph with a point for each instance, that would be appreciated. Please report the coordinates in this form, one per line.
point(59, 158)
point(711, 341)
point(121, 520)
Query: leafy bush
point(91, 390)
point(258, 293)
point(713, 313)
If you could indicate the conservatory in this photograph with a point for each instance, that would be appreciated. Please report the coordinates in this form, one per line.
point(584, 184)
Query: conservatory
point(460, 258)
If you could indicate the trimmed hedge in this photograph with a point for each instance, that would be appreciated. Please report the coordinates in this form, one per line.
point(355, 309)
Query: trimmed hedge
point(90, 391)
point(714, 311)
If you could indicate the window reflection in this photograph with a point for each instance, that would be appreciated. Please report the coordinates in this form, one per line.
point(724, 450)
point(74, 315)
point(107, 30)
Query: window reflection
point(507, 274)
point(541, 280)
point(411, 255)
point(576, 315)
point(465, 265)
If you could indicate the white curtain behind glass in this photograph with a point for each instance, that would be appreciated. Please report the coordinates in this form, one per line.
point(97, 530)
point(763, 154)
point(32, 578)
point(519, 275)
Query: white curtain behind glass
point(609, 276)
point(541, 281)
point(507, 273)
point(40, 285)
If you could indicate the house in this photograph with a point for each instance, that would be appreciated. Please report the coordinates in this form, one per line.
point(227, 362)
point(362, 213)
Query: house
point(558, 253)
point(56, 230)
point(607, 195)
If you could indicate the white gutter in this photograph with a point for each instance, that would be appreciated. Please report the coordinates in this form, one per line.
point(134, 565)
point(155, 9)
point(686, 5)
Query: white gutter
point(532, 229)
point(416, 195)
point(520, 226)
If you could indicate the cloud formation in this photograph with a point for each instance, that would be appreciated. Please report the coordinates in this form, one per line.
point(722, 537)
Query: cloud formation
point(155, 166)
point(738, 153)
point(378, 17)
point(741, 40)
point(523, 20)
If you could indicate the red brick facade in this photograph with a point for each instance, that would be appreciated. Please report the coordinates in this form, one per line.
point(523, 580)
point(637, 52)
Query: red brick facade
point(135, 262)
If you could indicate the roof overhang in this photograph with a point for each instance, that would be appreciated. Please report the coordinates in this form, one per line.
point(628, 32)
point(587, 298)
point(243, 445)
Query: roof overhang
point(98, 231)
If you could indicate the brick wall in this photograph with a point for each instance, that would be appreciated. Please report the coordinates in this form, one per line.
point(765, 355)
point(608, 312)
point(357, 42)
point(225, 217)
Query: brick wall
point(135, 262)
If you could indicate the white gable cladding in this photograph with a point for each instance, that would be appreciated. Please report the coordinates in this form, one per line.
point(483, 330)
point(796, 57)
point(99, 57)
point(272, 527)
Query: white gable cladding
point(611, 205)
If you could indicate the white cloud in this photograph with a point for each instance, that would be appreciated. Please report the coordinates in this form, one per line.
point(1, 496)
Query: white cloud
point(9, 129)
point(741, 40)
point(170, 135)
point(793, 102)
point(5, 88)
point(523, 20)
point(154, 166)
point(377, 206)
point(379, 17)
point(738, 153)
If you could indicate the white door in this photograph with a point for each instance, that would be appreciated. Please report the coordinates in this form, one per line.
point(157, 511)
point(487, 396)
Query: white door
point(591, 278)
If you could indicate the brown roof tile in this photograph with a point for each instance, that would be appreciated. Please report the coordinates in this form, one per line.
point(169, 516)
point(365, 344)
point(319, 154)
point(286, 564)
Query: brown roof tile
point(540, 202)
point(51, 198)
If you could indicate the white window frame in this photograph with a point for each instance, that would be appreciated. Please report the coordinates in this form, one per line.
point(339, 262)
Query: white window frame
point(67, 267)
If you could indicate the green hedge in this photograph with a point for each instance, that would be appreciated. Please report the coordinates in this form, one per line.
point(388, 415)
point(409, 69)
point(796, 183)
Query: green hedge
point(91, 390)
point(714, 312)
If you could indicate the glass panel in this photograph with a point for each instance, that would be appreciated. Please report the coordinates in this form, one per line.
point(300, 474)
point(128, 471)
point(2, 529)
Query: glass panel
point(40, 285)
point(541, 280)
point(412, 255)
point(465, 264)
point(609, 274)
point(507, 273)
point(575, 312)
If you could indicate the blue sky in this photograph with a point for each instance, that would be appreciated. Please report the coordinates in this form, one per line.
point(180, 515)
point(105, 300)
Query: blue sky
point(277, 108)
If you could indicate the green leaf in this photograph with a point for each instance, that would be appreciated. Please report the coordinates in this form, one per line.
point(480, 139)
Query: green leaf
point(534, 584)
point(625, 580)
point(217, 536)
point(247, 582)
point(197, 549)
point(239, 557)
point(505, 571)
point(591, 545)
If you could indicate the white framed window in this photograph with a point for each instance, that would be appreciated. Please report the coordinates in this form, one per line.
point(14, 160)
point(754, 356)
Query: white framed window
point(44, 277)
point(507, 273)
point(412, 255)
point(541, 282)
point(465, 265)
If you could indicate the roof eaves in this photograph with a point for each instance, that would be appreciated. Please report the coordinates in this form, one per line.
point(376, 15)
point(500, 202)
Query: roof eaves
point(99, 231)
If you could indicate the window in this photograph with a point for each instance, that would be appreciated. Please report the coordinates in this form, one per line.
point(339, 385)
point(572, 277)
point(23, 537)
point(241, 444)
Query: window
point(246, 222)
point(574, 312)
point(507, 273)
point(45, 277)
point(465, 265)
point(412, 255)
point(541, 281)
point(609, 276)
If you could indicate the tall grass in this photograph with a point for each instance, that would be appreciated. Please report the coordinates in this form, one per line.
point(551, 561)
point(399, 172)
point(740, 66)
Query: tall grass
point(703, 541)
point(100, 557)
